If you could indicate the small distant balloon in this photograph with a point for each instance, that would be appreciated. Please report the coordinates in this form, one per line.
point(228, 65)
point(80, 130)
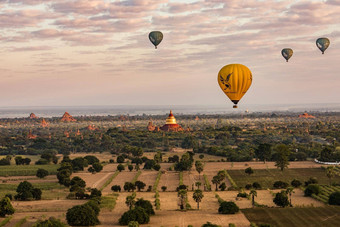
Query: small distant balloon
point(156, 38)
point(322, 44)
point(287, 53)
point(234, 80)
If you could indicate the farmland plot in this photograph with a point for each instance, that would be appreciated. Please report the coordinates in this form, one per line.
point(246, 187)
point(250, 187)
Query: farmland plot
point(170, 180)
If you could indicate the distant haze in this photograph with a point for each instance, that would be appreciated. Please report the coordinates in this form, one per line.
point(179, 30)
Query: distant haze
point(83, 53)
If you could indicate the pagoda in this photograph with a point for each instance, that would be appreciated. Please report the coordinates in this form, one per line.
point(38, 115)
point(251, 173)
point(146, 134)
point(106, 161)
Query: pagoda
point(306, 115)
point(33, 116)
point(171, 124)
point(44, 123)
point(67, 117)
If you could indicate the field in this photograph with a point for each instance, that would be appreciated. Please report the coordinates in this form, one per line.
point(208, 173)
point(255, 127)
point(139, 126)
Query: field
point(267, 177)
point(26, 170)
point(304, 216)
point(54, 201)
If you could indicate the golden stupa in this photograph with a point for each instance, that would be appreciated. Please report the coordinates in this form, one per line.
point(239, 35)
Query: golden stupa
point(171, 124)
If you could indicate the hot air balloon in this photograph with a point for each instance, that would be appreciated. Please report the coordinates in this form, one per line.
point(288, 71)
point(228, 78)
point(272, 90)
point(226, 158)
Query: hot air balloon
point(322, 44)
point(156, 38)
point(287, 53)
point(234, 80)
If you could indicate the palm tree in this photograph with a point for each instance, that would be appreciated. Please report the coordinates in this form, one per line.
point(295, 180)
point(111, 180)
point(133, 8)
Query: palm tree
point(216, 180)
point(289, 191)
point(182, 194)
point(330, 171)
point(198, 196)
point(199, 168)
point(253, 193)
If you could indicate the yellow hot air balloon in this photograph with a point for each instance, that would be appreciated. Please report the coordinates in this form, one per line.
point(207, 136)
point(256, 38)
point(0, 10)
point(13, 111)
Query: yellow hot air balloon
point(234, 80)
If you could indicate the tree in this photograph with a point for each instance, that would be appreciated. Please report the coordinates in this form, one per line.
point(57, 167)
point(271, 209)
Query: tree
point(228, 208)
point(222, 186)
point(334, 198)
point(79, 163)
point(116, 188)
point(128, 186)
point(130, 167)
point(41, 173)
point(282, 158)
point(24, 191)
point(138, 214)
point(290, 191)
point(198, 196)
point(330, 171)
point(280, 184)
point(120, 159)
point(281, 199)
point(140, 185)
point(199, 168)
point(158, 157)
point(146, 205)
point(216, 180)
point(6, 207)
point(95, 193)
point(185, 163)
point(253, 193)
point(164, 188)
point(120, 168)
point(91, 159)
point(81, 215)
point(249, 171)
point(97, 167)
point(182, 195)
point(263, 152)
point(209, 224)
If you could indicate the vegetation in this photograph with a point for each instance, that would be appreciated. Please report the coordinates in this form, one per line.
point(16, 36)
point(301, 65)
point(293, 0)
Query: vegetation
point(312, 216)
point(51, 222)
point(26, 191)
point(155, 186)
point(109, 180)
point(137, 214)
point(334, 198)
point(83, 215)
point(198, 196)
point(6, 207)
point(281, 199)
point(42, 173)
point(325, 192)
point(228, 208)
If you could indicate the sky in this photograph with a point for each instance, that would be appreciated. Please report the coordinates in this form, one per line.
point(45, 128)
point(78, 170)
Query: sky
point(97, 52)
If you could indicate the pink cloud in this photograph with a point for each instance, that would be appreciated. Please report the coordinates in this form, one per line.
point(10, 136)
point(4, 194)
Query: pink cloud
point(31, 48)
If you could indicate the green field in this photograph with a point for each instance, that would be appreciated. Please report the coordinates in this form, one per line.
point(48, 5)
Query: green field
point(26, 170)
point(50, 190)
point(326, 190)
point(267, 177)
point(282, 217)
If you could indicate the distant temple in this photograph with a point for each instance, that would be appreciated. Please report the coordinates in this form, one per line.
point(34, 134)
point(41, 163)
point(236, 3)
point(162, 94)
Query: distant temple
point(306, 115)
point(33, 116)
point(30, 135)
point(92, 128)
point(67, 118)
point(44, 123)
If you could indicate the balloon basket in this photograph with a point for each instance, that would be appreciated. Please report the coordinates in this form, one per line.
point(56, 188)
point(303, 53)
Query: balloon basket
point(234, 106)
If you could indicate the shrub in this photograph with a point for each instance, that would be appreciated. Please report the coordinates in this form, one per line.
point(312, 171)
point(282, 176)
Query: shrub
point(94, 206)
point(281, 199)
point(228, 208)
point(26, 191)
point(164, 188)
point(312, 189)
point(256, 185)
point(51, 222)
point(334, 198)
point(91, 159)
point(41, 173)
point(296, 183)
point(209, 224)
point(9, 196)
point(130, 167)
point(82, 215)
point(280, 184)
point(120, 168)
point(248, 186)
point(6, 207)
point(133, 224)
point(223, 186)
point(249, 171)
point(138, 214)
point(242, 194)
point(311, 180)
point(120, 159)
point(42, 161)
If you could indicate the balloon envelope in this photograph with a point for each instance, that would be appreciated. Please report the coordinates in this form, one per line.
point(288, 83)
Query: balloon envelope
point(287, 53)
point(156, 38)
point(322, 44)
point(234, 80)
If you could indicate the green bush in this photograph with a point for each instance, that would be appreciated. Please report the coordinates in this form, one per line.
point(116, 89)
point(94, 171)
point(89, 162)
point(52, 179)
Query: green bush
point(280, 184)
point(133, 224)
point(312, 189)
point(146, 205)
point(82, 215)
point(281, 199)
point(296, 183)
point(138, 214)
point(208, 224)
point(51, 222)
point(228, 208)
point(41, 173)
point(334, 198)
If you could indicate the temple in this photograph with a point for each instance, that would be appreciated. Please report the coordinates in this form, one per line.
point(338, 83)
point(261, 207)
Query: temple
point(171, 124)
point(306, 115)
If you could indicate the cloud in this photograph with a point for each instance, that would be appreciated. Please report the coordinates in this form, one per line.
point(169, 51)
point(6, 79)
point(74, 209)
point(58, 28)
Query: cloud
point(31, 48)
point(22, 18)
